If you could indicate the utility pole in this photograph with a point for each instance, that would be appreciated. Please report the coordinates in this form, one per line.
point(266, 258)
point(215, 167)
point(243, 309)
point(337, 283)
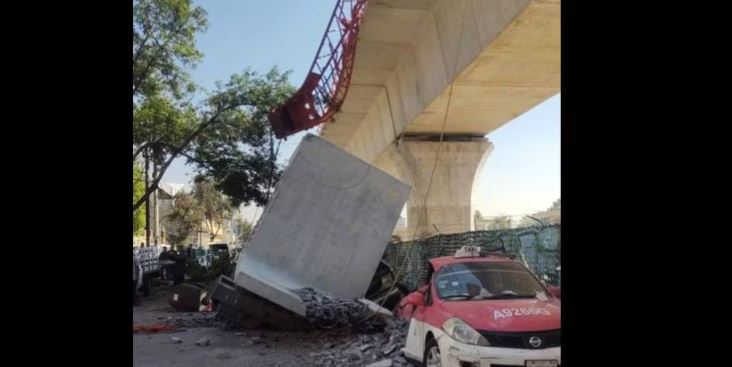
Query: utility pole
point(156, 221)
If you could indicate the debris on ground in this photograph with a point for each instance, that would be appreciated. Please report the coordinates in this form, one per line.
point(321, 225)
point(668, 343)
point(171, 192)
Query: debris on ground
point(189, 298)
point(203, 342)
point(382, 363)
point(223, 355)
point(176, 340)
point(380, 336)
point(198, 320)
point(327, 312)
point(153, 328)
point(332, 347)
point(365, 349)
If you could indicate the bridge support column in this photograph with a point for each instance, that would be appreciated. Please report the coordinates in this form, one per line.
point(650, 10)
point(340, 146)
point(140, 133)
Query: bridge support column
point(448, 206)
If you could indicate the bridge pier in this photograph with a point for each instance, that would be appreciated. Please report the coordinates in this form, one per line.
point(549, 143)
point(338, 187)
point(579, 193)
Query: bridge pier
point(449, 204)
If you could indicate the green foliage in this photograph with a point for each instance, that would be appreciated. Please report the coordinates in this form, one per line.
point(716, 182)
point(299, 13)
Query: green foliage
point(501, 222)
point(197, 272)
point(223, 265)
point(161, 125)
point(185, 218)
point(215, 206)
point(164, 45)
point(138, 187)
point(245, 229)
point(227, 137)
point(244, 175)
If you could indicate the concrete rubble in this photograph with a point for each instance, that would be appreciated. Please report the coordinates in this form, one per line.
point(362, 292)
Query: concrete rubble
point(328, 312)
point(382, 363)
point(207, 319)
point(342, 346)
point(203, 342)
point(381, 348)
point(380, 336)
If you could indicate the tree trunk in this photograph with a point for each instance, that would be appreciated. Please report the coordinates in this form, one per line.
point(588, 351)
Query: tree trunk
point(175, 153)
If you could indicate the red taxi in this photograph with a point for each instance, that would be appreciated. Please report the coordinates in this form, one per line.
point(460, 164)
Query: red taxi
point(479, 311)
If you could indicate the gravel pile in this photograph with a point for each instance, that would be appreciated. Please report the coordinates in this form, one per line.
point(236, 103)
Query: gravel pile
point(327, 312)
point(375, 349)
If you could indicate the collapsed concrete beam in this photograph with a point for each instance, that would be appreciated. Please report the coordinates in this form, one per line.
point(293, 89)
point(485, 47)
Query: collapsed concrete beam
point(326, 227)
point(244, 309)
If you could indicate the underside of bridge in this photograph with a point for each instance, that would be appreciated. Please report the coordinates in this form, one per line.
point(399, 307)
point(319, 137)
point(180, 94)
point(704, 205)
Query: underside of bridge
point(427, 71)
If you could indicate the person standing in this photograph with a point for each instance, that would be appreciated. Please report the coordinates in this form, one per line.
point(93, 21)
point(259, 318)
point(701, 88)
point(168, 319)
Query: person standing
point(164, 268)
point(135, 278)
point(179, 268)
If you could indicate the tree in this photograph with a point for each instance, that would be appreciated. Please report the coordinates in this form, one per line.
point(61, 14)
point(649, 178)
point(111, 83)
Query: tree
point(244, 229)
point(227, 137)
point(163, 45)
point(215, 206)
point(240, 152)
point(186, 218)
point(500, 222)
point(550, 216)
point(138, 184)
point(492, 223)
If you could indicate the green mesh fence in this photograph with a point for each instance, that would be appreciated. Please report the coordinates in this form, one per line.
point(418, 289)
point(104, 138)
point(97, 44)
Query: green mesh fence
point(536, 247)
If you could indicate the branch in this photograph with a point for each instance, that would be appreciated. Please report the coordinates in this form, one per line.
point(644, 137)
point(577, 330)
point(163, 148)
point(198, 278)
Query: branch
point(273, 160)
point(175, 153)
point(196, 160)
point(142, 147)
point(143, 76)
point(139, 50)
point(218, 229)
point(136, 82)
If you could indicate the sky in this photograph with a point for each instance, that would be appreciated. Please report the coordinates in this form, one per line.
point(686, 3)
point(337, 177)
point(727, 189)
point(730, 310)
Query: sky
point(522, 174)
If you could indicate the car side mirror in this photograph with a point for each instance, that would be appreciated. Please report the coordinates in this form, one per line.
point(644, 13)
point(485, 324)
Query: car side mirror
point(556, 292)
point(415, 299)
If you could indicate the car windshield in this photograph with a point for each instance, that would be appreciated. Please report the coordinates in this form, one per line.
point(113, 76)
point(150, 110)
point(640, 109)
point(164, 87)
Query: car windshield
point(486, 280)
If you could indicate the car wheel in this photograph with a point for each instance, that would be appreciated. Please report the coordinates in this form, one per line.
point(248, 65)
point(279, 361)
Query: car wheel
point(432, 354)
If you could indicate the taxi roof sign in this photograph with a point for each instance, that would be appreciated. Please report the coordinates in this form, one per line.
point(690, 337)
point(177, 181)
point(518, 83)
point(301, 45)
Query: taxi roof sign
point(468, 251)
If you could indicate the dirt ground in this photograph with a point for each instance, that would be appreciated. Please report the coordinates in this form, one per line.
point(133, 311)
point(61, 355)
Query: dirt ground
point(227, 348)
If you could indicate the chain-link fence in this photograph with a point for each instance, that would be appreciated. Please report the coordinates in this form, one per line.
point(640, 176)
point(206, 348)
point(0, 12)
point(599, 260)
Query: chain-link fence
point(537, 247)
